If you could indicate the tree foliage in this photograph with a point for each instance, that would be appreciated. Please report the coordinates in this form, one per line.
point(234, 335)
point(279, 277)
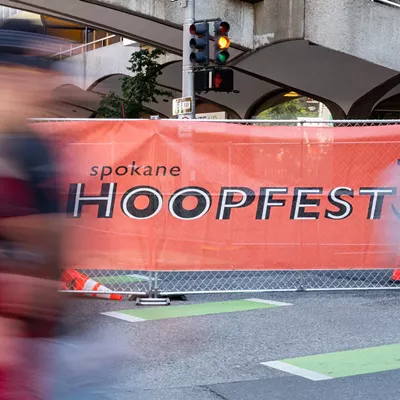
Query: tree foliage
point(136, 90)
point(288, 110)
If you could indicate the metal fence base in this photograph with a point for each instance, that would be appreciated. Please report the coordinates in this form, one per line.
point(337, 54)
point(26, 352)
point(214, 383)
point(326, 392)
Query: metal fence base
point(148, 301)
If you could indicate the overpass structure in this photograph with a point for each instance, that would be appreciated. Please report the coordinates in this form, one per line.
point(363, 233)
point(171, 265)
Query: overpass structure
point(341, 52)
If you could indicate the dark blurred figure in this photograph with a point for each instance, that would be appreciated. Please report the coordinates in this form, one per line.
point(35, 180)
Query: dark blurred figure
point(30, 225)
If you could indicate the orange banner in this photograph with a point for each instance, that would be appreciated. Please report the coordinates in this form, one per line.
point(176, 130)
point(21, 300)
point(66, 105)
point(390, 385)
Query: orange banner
point(160, 195)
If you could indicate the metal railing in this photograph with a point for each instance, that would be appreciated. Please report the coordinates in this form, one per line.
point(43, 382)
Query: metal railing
point(273, 122)
point(392, 3)
point(7, 12)
point(72, 51)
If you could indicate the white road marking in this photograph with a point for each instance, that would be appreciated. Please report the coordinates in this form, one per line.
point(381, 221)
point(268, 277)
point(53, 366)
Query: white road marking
point(276, 303)
point(291, 369)
point(124, 317)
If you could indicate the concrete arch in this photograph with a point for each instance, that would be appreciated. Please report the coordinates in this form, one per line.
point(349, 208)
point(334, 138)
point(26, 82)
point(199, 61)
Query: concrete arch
point(387, 108)
point(92, 86)
point(255, 107)
point(164, 106)
point(363, 107)
point(336, 79)
point(120, 74)
point(106, 82)
point(253, 92)
point(267, 101)
point(74, 102)
point(316, 71)
point(249, 89)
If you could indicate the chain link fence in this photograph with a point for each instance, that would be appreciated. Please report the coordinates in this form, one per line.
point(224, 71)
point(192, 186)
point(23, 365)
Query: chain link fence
point(135, 282)
point(192, 282)
point(264, 281)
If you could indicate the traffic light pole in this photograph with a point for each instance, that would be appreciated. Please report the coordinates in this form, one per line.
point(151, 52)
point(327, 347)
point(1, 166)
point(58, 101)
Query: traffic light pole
point(187, 66)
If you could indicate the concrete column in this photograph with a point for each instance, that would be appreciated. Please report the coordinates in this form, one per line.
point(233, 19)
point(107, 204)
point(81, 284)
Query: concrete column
point(361, 28)
point(278, 20)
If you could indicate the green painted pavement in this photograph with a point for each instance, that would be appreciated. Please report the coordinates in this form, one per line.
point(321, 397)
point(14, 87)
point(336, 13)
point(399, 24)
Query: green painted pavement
point(351, 362)
point(192, 310)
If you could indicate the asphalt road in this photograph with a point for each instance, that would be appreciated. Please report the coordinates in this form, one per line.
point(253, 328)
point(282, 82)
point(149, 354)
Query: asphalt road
point(214, 357)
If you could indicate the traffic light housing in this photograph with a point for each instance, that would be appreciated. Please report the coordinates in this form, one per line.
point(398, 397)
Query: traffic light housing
point(214, 79)
point(199, 43)
point(221, 42)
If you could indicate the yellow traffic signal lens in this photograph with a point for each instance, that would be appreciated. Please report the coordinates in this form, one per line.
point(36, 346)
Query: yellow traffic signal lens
point(223, 42)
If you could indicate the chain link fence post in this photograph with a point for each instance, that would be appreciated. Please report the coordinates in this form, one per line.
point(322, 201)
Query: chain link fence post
point(150, 285)
point(301, 287)
point(302, 282)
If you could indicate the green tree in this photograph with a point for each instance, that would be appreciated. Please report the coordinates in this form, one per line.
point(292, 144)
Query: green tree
point(288, 110)
point(136, 90)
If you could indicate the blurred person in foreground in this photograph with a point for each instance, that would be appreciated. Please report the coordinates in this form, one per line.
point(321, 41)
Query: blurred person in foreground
point(30, 223)
point(35, 361)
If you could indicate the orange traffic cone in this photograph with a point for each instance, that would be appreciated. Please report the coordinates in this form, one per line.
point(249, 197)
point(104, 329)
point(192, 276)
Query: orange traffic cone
point(396, 272)
point(396, 275)
point(75, 280)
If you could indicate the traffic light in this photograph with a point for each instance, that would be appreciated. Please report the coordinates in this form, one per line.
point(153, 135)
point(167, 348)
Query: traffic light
point(200, 43)
point(221, 42)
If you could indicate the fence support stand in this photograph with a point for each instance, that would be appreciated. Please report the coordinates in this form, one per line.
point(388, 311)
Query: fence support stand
point(301, 287)
point(153, 297)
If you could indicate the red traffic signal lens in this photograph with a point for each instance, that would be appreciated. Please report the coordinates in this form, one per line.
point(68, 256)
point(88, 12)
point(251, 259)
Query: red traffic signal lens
point(224, 28)
point(217, 80)
point(192, 29)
